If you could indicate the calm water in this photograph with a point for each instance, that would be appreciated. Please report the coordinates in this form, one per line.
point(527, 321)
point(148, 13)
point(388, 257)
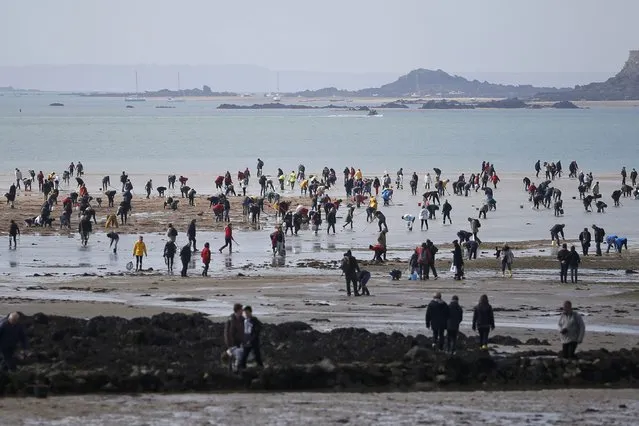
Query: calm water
point(194, 136)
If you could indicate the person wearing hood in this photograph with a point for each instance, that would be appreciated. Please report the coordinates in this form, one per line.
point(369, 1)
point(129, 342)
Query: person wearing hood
point(430, 260)
point(350, 268)
point(571, 329)
point(437, 320)
point(455, 317)
point(169, 254)
point(139, 251)
point(611, 240)
point(483, 321)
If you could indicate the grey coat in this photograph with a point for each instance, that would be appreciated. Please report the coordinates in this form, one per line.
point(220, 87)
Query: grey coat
point(574, 326)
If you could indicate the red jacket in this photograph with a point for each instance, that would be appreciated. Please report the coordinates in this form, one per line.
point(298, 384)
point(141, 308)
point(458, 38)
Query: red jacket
point(206, 255)
point(228, 232)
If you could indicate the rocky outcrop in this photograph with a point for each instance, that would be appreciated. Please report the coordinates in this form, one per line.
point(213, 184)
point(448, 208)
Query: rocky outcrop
point(445, 104)
point(512, 103)
point(181, 353)
point(564, 105)
point(623, 86)
point(422, 82)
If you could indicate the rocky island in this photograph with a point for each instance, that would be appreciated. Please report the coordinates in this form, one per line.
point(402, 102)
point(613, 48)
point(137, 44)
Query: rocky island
point(623, 86)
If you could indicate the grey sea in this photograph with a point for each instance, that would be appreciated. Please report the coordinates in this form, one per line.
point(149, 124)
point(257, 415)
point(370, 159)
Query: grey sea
point(196, 137)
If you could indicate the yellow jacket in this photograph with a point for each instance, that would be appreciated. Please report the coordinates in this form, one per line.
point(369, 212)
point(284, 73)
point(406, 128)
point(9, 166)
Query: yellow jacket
point(373, 203)
point(139, 248)
point(358, 175)
point(292, 177)
point(304, 184)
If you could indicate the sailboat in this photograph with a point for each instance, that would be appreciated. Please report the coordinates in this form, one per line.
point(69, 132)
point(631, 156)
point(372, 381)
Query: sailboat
point(180, 99)
point(136, 97)
point(276, 96)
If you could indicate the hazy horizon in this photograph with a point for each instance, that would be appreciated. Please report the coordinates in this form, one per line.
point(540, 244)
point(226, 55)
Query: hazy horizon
point(544, 43)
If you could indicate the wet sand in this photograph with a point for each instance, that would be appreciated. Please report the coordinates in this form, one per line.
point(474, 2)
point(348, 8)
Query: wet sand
point(547, 407)
point(524, 309)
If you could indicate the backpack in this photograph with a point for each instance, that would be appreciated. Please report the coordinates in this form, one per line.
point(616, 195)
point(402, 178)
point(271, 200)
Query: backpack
point(478, 224)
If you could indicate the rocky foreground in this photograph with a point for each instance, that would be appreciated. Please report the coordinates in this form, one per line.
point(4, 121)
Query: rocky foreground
point(180, 353)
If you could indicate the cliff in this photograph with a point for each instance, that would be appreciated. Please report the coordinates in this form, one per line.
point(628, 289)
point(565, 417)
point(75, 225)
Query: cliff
point(623, 86)
point(423, 82)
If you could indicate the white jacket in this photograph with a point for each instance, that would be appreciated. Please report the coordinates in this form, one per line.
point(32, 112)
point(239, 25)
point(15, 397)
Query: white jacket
point(574, 326)
point(423, 213)
point(18, 175)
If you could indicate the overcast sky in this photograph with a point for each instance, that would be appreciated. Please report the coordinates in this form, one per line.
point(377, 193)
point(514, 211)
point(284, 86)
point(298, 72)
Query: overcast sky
point(324, 35)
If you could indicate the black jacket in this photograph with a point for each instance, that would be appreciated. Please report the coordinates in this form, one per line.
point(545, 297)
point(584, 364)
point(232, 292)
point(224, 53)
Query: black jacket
point(455, 316)
point(573, 260)
point(585, 237)
point(170, 249)
point(350, 266)
point(563, 256)
point(447, 208)
point(458, 258)
point(185, 253)
point(437, 314)
point(11, 335)
point(191, 231)
point(483, 317)
point(252, 338)
point(600, 233)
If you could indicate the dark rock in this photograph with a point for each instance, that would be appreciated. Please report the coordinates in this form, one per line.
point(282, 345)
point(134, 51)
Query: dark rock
point(180, 353)
point(185, 299)
point(445, 104)
point(564, 105)
point(503, 103)
point(630, 271)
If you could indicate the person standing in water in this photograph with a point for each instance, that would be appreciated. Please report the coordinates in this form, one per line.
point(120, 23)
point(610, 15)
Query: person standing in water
point(423, 217)
point(185, 257)
point(571, 329)
point(191, 233)
point(228, 238)
point(507, 261)
point(206, 259)
point(573, 263)
point(169, 255)
point(14, 231)
point(139, 251)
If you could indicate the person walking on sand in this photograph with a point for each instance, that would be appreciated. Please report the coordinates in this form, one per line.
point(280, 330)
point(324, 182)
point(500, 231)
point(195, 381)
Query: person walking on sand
point(437, 320)
point(483, 321)
point(228, 238)
point(185, 257)
point(507, 261)
point(18, 174)
point(455, 316)
point(139, 251)
point(573, 263)
point(350, 268)
point(169, 255)
point(571, 329)
point(14, 231)
point(206, 259)
point(563, 256)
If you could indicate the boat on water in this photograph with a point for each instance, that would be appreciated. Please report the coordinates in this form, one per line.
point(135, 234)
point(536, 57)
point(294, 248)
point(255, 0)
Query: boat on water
point(372, 112)
point(136, 97)
point(179, 99)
